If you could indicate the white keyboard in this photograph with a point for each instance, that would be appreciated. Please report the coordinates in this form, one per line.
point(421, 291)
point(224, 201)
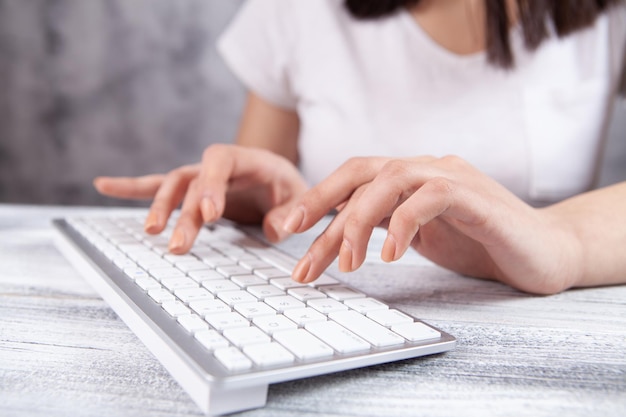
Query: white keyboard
point(226, 319)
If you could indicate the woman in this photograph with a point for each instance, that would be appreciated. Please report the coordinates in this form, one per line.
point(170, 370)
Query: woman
point(518, 91)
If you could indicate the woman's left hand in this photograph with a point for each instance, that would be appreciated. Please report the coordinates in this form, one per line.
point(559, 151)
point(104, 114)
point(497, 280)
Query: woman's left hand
point(447, 210)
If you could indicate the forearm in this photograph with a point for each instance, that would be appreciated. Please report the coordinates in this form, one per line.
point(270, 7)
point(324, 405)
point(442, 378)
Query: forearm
point(264, 125)
point(597, 221)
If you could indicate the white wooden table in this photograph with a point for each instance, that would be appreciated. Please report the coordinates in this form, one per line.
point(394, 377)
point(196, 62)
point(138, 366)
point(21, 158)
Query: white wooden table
point(63, 352)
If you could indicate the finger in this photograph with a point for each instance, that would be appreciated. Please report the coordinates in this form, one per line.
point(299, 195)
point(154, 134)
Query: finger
point(430, 201)
point(396, 180)
point(141, 188)
point(326, 247)
point(320, 255)
point(356, 232)
point(332, 192)
point(227, 167)
point(189, 222)
point(169, 195)
point(273, 222)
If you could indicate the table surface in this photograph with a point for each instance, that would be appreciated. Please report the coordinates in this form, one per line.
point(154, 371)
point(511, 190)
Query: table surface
point(64, 352)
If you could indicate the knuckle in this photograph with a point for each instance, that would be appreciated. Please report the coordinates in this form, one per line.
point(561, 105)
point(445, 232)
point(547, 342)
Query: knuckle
point(186, 218)
point(354, 221)
point(396, 168)
point(404, 217)
point(307, 201)
point(215, 150)
point(442, 186)
point(161, 204)
point(178, 173)
point(453, 161)
point(356, 164)
point(323, 244)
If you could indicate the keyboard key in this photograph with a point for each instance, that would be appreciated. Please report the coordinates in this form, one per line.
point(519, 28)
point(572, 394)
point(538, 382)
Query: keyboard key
point(211, 339)
point(147, 283)
point(234, 297)
point(323, 280)
point(256, 309)
point(263, 291)
point(269, 354)
point(369, 330)
point(244, 336)
point(245, 281)
point(217, 286)
point(286, 283)
point(167, 272)
point(303, 344)
point(364, 305)
point(338, 337)
point(254, 263)
point(136, 272)
point(201, 275)
point(202, 251)
point(206, 307)
point(233, 359)
point(226, 321)
point(305, 293)
point(275, 323)
point(283, 302)
point(340, 293)
point(175, 308)
point(189, 266)
point(160, 295)
point(326, 305)
point(153, 262)
point(175, 259)
point(416, 331)
point(173, 284)
point(193, 323)
point(123, 262)
point(188, 295)
point(217, 260)
point(269, 273)
point(305, 315)
point(389, 318)
point(232, 270)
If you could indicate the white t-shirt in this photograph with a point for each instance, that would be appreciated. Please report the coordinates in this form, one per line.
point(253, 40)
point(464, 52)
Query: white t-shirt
point(384, 87)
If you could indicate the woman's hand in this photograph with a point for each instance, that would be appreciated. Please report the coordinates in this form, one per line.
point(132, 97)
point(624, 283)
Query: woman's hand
point(444, 208)
point(242, 184)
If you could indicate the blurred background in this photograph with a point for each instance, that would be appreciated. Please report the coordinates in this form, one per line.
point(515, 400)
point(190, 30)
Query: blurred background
point(125, 87)
point(108, 87)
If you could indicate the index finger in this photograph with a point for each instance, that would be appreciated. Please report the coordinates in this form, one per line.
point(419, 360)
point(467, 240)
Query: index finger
point(332, 191)
point(229, 166)
point(137, 188)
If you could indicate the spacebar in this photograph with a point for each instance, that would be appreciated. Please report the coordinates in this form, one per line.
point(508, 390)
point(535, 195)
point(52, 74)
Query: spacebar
point(368, 329)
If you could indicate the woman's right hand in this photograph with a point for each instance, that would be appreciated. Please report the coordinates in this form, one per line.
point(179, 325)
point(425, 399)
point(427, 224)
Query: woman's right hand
point(239, 183)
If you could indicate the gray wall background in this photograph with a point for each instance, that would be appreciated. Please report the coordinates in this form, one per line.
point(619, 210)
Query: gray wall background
point(124, 87)
point(108, 87)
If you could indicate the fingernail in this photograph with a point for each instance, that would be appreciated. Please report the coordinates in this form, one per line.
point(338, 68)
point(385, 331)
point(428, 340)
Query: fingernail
point(152, 222)
point(279, 232)
point(345, 257)
point(178, 240)
point(388, 252)
point(207, 207)
point(294, 220)
point(301, 270)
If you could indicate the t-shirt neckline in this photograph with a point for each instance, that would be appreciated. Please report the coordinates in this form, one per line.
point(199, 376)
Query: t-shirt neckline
point(416, 30)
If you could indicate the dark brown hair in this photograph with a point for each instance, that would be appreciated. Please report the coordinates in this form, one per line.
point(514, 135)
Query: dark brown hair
point(567, 16)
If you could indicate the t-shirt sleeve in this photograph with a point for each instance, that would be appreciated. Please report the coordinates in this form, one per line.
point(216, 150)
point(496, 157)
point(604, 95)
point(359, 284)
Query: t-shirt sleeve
point(257, 47)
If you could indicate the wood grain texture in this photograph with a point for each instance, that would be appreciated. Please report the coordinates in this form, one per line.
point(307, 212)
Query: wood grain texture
point(63, 352)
